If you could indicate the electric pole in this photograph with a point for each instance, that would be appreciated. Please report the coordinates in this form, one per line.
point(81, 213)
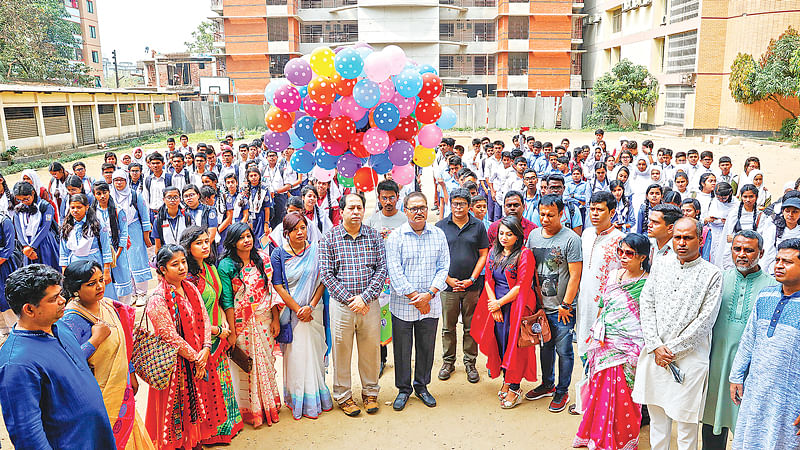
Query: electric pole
point(116, 72)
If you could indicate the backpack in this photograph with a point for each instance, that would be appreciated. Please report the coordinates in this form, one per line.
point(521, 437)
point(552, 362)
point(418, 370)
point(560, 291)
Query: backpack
point(17, 257)
point(53, 225)
point(149, 180)
point(161, 216)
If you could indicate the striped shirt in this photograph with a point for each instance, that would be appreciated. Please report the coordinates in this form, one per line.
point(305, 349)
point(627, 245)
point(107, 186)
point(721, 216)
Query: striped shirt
point(353, 266)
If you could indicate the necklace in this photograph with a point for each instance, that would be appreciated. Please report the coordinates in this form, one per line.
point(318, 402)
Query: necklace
point(97, 319)
point(619, 279)
point(305, 246)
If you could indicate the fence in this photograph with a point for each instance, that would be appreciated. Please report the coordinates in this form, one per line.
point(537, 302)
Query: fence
point(198, 116)
point(515, 112)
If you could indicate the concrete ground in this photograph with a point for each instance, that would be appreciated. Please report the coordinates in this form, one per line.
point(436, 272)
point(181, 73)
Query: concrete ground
point(467, 416)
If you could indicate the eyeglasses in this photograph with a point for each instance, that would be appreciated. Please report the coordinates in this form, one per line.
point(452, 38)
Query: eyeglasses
point(625, 252)
point(459, 204)
point(389, 199)
point(418, 209)
point(172, 198)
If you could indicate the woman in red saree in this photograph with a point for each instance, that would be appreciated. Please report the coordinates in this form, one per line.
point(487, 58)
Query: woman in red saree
point(506, 298)
point(191, 408)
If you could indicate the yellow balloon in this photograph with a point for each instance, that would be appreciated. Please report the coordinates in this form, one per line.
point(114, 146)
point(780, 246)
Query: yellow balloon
point(322, 61)
point(424, 156)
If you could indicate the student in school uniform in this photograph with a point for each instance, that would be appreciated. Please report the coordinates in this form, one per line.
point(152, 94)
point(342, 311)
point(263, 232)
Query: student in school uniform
point(137, 217)
point(35, 227)
point(155, 183)
point(203, 216)
point(237, 208)
point(115, 224)
point(260, 201)
point(84, 238)
point(170, 220)
point(180, 174)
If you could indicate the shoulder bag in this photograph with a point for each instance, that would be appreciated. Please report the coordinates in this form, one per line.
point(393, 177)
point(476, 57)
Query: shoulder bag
point(153, 358)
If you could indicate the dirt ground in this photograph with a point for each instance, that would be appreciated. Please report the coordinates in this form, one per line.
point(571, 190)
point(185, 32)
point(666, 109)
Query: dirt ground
point(467, 416)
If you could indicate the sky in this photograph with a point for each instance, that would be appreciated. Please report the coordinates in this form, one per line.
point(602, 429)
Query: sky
point(162, 25)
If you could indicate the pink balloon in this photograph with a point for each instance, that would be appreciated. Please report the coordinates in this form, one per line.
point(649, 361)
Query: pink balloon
point(430, 136)
point(387, 91)
point(334, 148)
point(376, 140)
point(323, 175)
point(376, 67)
point(336, 109)
point(287, 98)
point(350, 108)
point(404, 105)
point(396, 58)
point(403, 174)
point(315, 109)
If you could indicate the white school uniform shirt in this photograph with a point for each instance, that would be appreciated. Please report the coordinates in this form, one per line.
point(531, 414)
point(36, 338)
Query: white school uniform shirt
point(694, 181)
point(499, 178)
point(273, 177)
point(155, 195)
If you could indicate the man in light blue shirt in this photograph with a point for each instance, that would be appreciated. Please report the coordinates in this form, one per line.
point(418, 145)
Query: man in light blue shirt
point(418, 260)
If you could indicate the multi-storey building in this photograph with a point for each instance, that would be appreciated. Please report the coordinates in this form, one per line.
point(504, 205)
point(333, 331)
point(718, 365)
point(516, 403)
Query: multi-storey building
point(178, 73)
point(504, 46)
point(689, 46)
point(84, 13)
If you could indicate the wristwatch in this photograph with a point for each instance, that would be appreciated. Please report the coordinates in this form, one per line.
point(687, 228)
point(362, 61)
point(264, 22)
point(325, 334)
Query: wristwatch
point(473, 279)
point(432, 293)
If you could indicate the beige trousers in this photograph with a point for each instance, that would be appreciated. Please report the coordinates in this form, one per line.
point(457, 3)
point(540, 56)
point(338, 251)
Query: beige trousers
point(345, 325)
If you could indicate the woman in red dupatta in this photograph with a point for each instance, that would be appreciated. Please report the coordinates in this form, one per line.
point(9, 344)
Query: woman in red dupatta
point(191, 408)
point(507, 297)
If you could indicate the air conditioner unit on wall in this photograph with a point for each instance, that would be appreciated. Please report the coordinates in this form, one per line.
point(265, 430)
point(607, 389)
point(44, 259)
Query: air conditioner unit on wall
point(646, 2)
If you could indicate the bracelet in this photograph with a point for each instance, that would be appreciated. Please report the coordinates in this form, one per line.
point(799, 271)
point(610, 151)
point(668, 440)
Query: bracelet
point(567, 306)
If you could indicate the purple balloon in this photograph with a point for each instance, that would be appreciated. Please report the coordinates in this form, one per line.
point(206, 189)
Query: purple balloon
point(298, 71)
point(348, 164)
point(277, 141)
point(400, 152)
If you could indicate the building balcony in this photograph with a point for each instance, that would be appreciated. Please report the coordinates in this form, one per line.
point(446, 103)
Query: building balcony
point(577, 5)
point(575, 82)
point(216, 6)
point(316, 4)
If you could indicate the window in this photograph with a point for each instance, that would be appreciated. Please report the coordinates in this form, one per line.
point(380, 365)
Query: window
point(616, 20)
point(201, 66)
point(276, 64)
point(446, 65)
point(55, 120)
point(518, 27)
point(483, 65)
point(90, 7)
point(97, 81)
point(92, 32)
point(158, 111)
point(517, 63)
point(484, 31)
point(108, 119)
point(95, 56)
point(278, 29)
point(446, 30)
point(21, 123)
point(78, 54)
point(311, 34)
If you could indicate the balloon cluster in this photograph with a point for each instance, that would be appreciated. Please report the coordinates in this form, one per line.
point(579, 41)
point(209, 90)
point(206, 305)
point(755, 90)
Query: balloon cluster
point(357, 113)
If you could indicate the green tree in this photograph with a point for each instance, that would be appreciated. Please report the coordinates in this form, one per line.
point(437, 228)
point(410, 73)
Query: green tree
point(202, 38)
point(37, 43)
point(775, 77)
point(629, 85)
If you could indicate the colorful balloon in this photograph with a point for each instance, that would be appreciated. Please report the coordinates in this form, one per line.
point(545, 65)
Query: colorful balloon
point(430, 136)
point(396, 58)
point(304, 128)
point(298, 71)
point(365, 179)
point(321, 90)
point(348, 63)
point(367, 93)
point(408, 83)
point(315, 109)
point(386, 116)
point(376, 67)
point(351, 108)
point(403, 175)
point(323, 175)
point(277, 142)
point(448, 119)
point(424, 156)
point(322, 129)
point(342, 128)
point(400, 152)
point(345, 182)
point(302, 161)
point(428, 111)
point(277, 120)
point(376, 141)
point(387, 90)
point(334, 148)
point(431, 86)
point(381, 163)
point(287, 98)
point(357, 146)
point(404, 105)
point(406, 129)
point(427, 68)
point(272, 86)
point(324, 159)
point(348, 164)
point(321, 61)
point(344, 87)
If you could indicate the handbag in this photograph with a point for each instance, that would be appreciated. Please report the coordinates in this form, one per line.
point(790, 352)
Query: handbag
point(534, 330)
point(153, 358)
point(240, 358)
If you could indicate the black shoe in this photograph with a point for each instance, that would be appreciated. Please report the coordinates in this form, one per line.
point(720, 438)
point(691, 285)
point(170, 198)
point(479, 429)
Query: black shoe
point(426, 398)
point(472, 373)
point(400, 401)
point(383, 364)
point(446, 370)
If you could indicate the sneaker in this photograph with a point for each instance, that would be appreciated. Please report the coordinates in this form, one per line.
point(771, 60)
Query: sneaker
point(541, 391)
point(141, 300)
point(350, 408)
point(370, 403)
point(559, 402)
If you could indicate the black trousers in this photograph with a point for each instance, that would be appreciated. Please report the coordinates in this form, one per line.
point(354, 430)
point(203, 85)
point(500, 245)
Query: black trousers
point(278, 210)
point(713, 441)
point(420, 334)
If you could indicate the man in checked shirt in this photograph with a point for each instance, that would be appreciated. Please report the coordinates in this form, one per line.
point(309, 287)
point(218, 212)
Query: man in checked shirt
point(353, 268)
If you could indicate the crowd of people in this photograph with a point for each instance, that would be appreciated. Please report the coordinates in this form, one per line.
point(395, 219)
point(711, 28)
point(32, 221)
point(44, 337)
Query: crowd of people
point(675, 283)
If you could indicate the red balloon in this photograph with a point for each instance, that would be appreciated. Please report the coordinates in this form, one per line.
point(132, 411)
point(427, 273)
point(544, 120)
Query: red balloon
point(431, 86)
point(357, 146)
point(322, 129)
point(428, 111)
point(365, 179)
point(342, 128)
point(406, 129)
point(277, 120)
point(334, 148)
point(344, 87)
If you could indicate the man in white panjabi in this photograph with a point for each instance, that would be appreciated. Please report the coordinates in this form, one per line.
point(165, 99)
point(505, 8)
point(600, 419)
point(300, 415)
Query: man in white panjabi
point(679, 305)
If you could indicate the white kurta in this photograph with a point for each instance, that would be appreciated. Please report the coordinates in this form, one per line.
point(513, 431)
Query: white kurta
point(765, 227)
point(599, 258)
point(679, 305)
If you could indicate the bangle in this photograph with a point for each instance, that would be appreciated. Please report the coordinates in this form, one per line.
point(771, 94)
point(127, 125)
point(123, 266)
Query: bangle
point(473, 279)
point(567, 306)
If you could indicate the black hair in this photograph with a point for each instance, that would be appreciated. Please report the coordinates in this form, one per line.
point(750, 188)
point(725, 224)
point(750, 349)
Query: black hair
point(461, 193)
point(165, 255)
point(647, 143)
point(599, 131)
point(92, 227)
point(550, 200)
point(170, 189)
point(132, 165)
point(295, 201)
point(793, 244)
point(207, 192)
point(557, 177)
point(646, 203)
point(211, 176)
point(155, 156)
point(109, 155)
point(724, 189)
point(77, 273)
point(500, 261)
point(102, 186)
point(75, 182)
point(604, 197)
point(188, 237)
point(619, 184)
point(747, 188)
point(671, 197)
point(78, 164)
point(191, 187)
point(25, 188)
point(55, 166)
point(695, 204)
point(105, 166)
point(470, 185)
point(692, 152)
point(778, 219)
point(235, 232)
point(513, 193)
point(12, 201)
point(640, 243)
point(670, 212)
point(703, 178)
point(171, 139)
point(342, 199)
point(454, 161)
point(725, 159)
point(178, 155)
point(413, 195)
point(28, 284)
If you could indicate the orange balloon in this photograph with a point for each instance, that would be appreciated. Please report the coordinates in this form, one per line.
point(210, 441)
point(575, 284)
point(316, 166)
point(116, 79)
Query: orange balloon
point(344, 87)
point(365, 179)
point(277, 120)
point(357, 146)
point(322, 90)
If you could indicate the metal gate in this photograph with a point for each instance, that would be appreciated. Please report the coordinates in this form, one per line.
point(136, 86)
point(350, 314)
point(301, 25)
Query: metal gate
point(674, 110)
point(84, 125)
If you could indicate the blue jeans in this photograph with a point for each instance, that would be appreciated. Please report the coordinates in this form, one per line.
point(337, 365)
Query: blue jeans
point(561, 343)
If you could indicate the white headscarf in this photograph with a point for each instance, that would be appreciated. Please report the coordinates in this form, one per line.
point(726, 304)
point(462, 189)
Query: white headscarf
point(37, 183)
point(141, 160)
point(762, 191)
point(122, 198)
point(640, 179)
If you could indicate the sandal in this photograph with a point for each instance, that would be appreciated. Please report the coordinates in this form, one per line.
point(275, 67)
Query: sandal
point(502, 395)
point(505, 404)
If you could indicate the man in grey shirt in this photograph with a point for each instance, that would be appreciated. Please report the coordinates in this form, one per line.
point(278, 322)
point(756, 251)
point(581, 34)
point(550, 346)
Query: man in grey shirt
point(559, 260)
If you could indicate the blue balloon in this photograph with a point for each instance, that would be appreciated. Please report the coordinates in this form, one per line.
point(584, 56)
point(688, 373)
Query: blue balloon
point(302, 161)
point(364, 121)
point(348, 63)
point(366, 93)
point(408, 83)
point(381, 163)
point(272, 86)
point(427, 68)
point(303, 91)
point(296, 142)
point(386, 116)
point(448, 118)
point(325, 160)
point(304, 129)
